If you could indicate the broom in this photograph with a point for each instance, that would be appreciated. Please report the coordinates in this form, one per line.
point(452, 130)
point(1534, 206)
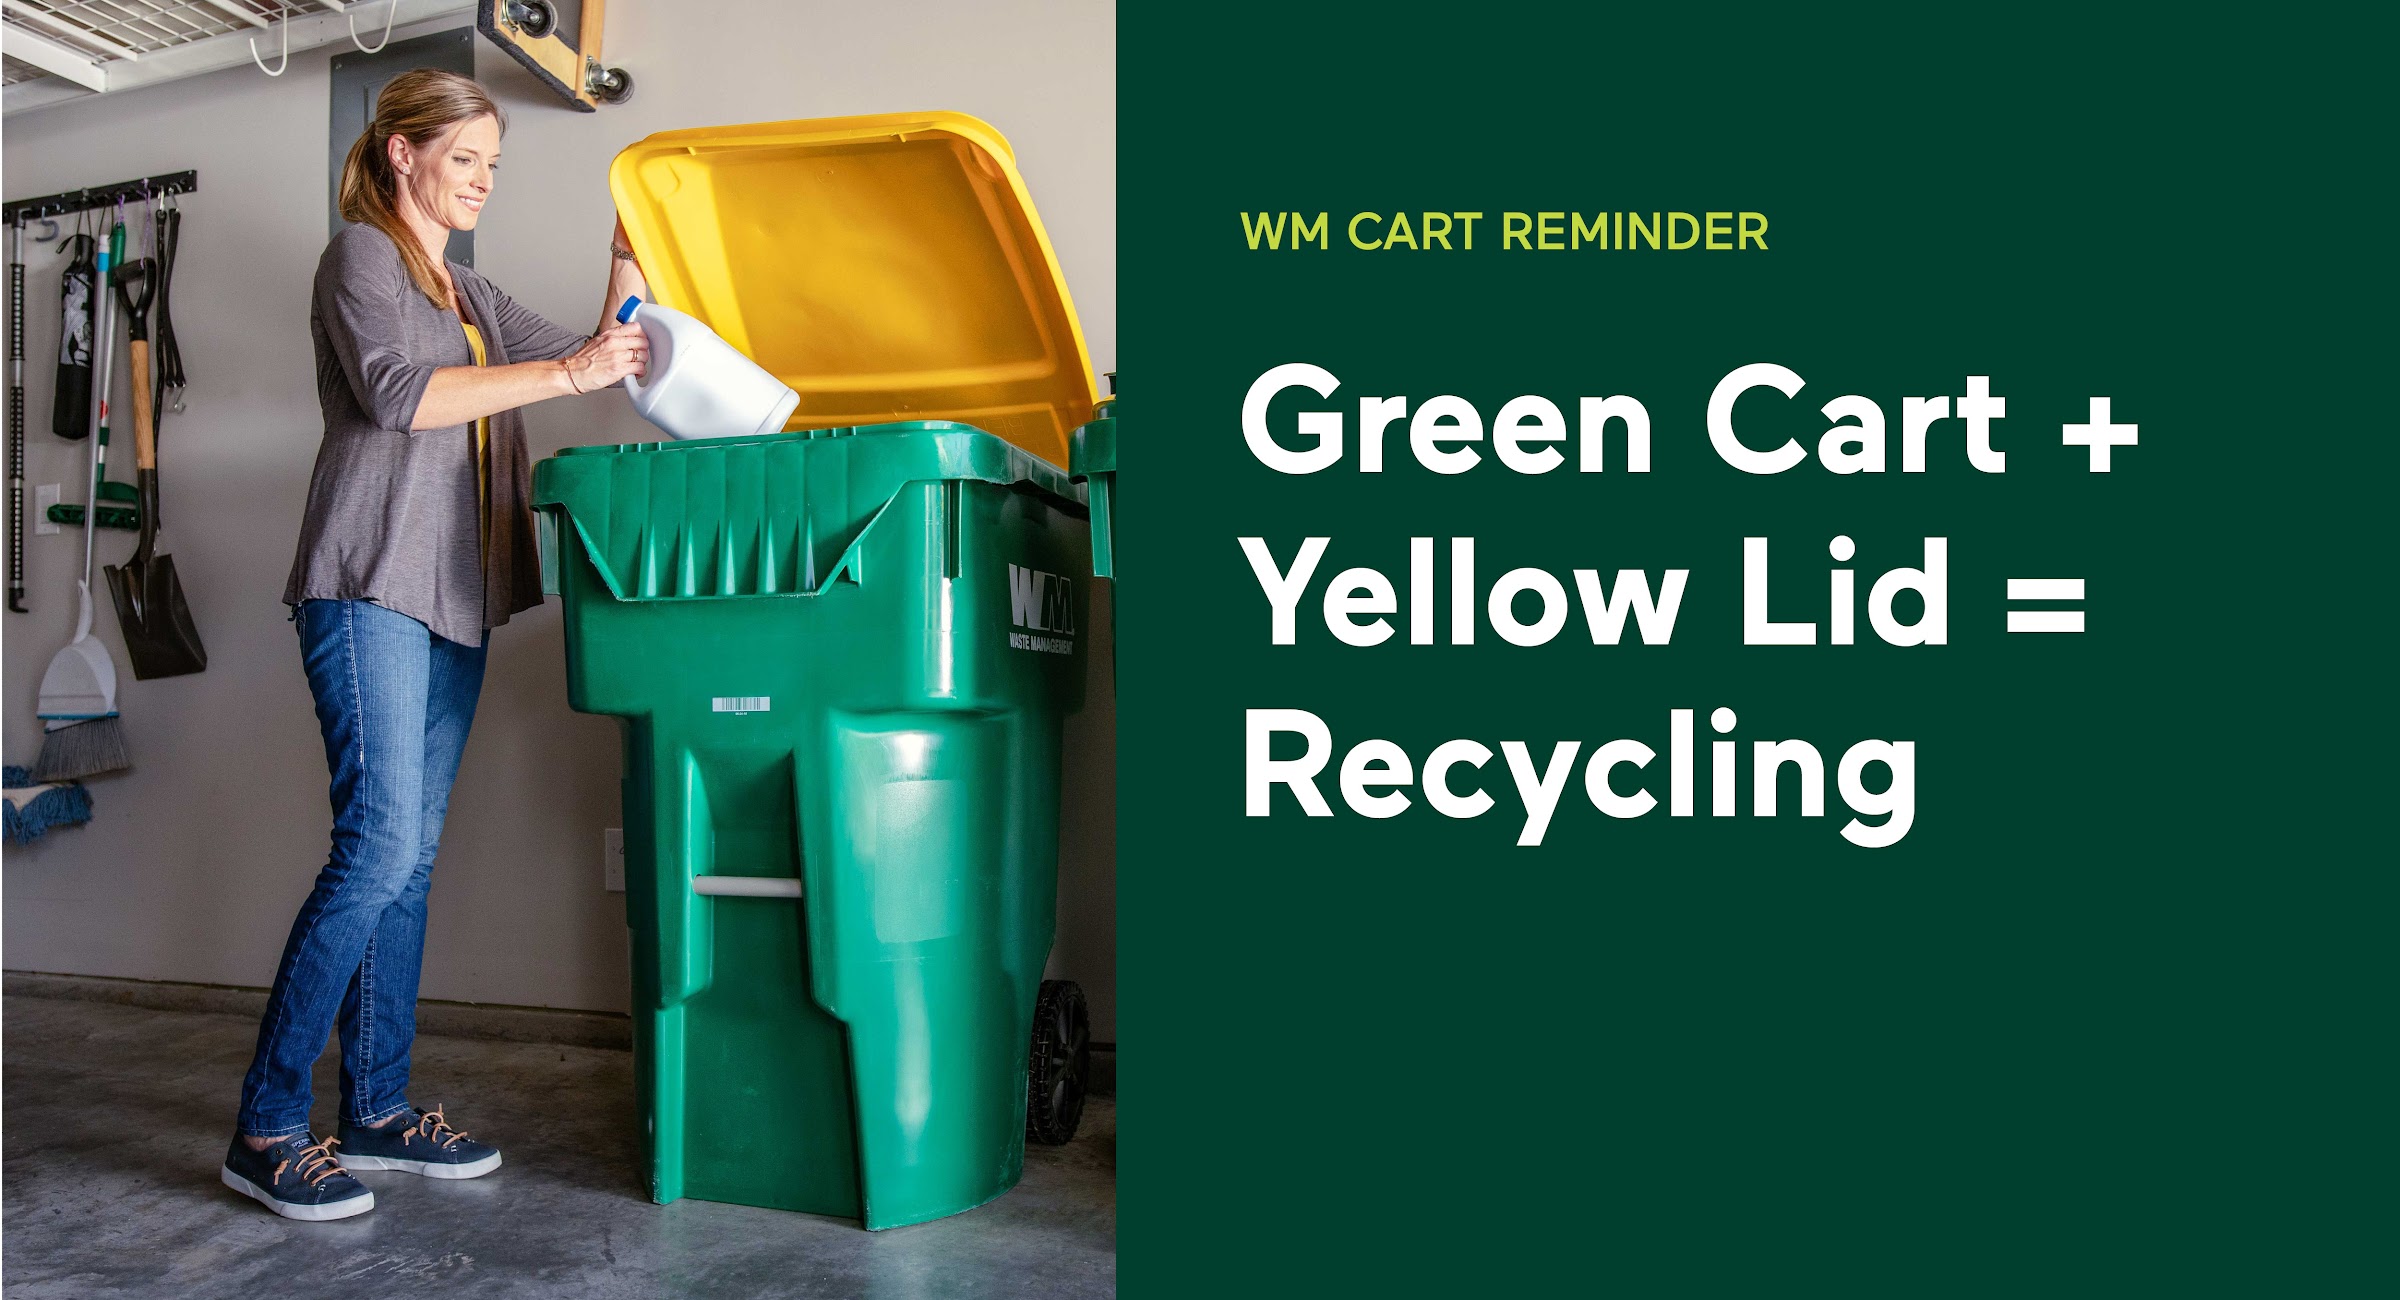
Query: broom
point(82, 735)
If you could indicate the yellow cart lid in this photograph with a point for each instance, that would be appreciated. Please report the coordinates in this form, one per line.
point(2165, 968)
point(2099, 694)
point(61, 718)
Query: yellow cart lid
point(886, 268)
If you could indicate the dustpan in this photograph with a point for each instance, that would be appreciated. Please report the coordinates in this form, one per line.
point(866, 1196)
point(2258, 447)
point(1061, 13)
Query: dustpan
point(80, 685)
point(81, 681)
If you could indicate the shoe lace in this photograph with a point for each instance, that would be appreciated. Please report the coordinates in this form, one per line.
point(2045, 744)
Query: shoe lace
point(432, 1127)
point(316, 1163)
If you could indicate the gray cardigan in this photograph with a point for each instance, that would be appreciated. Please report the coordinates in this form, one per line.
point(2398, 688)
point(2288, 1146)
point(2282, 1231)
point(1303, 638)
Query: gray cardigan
point(392, 514)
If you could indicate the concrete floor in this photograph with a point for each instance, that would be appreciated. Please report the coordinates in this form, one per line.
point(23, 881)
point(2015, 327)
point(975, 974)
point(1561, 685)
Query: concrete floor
point(117, 1119)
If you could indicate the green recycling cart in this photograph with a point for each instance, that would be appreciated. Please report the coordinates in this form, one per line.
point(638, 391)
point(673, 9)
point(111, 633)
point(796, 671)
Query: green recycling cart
point(842, 657)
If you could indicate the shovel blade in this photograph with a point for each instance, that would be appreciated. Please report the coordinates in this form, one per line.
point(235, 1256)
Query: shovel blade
point(156, 621)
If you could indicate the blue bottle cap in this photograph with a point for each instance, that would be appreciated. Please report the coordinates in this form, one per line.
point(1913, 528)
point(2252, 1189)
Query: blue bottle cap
point(625, 313)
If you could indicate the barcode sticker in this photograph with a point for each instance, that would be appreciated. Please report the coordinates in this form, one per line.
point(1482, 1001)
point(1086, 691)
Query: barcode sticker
point(740, 703)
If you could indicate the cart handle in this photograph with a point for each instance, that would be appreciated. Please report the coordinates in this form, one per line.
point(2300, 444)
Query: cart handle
point(747, 886)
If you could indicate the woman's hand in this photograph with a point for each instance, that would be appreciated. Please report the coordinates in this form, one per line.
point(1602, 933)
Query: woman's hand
point(608, 356)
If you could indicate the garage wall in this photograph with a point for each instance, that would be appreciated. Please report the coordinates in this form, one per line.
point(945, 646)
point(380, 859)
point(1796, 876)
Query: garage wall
point(200, 855)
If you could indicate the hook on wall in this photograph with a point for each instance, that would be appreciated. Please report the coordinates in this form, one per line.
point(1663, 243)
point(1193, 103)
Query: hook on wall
point(283, 30)
point(391, 8)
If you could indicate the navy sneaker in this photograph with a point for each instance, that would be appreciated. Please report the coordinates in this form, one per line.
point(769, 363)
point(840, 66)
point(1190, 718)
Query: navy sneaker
point(298, 1178)
point(418, 1142)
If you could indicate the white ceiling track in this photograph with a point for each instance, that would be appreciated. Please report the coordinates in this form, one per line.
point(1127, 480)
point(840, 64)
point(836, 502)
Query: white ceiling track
point(69, 49)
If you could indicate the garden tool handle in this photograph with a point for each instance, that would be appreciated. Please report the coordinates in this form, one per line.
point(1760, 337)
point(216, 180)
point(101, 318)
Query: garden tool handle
point(16, 417)
point(145, 452)
point(104, 351)
point(135, 306)
point(145, 437)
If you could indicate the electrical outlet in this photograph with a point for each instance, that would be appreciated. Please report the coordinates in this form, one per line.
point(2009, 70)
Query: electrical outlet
point(44, 497)
point(612, 860)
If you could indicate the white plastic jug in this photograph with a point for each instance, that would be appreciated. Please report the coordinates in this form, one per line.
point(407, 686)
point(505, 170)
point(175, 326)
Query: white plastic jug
point(699, 386)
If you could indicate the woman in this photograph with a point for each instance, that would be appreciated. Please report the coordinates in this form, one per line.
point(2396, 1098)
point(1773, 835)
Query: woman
point(416, 542)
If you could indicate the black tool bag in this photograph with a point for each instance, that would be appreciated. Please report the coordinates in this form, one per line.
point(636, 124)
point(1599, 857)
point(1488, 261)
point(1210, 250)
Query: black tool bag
point(71, 402)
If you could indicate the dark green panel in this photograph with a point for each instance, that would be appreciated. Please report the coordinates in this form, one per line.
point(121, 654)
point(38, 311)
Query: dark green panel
point(2110, 1020)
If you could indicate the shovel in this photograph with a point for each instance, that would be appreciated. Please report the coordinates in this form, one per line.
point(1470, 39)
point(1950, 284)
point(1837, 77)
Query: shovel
point(159, 636)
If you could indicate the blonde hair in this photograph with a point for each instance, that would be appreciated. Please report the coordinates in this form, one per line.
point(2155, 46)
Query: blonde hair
point(417, 106)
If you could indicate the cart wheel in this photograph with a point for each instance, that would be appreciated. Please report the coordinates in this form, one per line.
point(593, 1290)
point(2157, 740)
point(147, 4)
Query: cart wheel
point(612, 85)
point(1061, 1062)
point(535, 18)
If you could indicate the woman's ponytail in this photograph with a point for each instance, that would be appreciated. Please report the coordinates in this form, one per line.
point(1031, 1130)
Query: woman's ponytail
point(417, 106)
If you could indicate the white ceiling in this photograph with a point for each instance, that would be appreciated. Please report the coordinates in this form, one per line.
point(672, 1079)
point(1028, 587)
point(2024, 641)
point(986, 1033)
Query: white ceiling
point(64, 49)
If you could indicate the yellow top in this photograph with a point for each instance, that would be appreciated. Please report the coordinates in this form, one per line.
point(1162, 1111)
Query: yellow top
point(483, 442)
point(886, 268)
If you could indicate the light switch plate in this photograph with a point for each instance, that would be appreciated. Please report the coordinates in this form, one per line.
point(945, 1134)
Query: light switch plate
point(44, 497)
point(612, 859)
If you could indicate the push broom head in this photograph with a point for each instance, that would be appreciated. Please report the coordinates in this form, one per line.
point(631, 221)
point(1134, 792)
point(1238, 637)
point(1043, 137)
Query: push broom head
point(79, 703)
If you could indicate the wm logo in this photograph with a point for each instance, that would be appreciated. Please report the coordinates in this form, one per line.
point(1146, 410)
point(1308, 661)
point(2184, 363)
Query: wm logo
point(1040, 602)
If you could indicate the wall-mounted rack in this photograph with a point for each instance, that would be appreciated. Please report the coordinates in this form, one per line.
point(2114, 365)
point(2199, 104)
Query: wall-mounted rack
point(99, 196)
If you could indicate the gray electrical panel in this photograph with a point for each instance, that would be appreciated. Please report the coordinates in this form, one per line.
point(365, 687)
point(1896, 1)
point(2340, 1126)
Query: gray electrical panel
point(359, 78)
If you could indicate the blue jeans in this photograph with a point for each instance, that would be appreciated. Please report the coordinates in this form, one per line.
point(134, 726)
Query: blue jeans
point(395, 702)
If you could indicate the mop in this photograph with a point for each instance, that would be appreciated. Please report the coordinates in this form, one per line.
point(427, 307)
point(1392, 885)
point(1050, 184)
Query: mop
point(33, 810)
point(81, 733)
